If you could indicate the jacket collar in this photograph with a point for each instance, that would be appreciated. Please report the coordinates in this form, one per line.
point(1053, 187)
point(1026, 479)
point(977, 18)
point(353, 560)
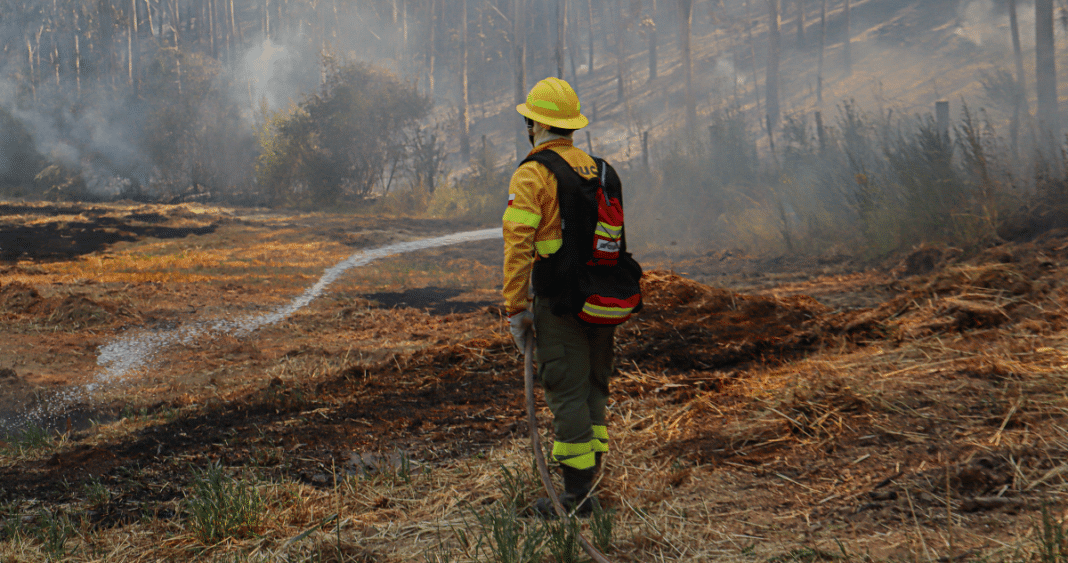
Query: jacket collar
point(554, 141)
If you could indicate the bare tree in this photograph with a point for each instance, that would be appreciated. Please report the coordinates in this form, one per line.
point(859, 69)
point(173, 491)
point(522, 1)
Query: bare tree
point(1046, 69)
point(561, 31)
point(590, 33)
point(686, 22)
point(800, 23)
point(649, 23)
point(465, 121)
point(519, 46)
point(823, 45)
point(620, 51)
point(1020, 106)
point(431, 48)
point(774, 49)
point(847, 49)
point(752, 57)
point(132, 43)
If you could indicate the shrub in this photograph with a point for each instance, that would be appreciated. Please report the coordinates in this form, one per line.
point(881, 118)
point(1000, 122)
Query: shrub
point(19, 160)
point(338, 143)
point(194, 132)
point(479, 196)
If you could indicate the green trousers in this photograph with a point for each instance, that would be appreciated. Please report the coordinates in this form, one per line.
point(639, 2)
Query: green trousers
point(574, 364)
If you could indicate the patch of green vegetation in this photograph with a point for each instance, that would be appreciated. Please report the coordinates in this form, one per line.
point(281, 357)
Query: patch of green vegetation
point(31, 438)
point(1052, 538)
point(95, 492)
point(519, 485)
point(53, 531)
point(221, 506)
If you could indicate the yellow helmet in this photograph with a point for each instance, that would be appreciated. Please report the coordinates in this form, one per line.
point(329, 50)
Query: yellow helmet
point(553, 102)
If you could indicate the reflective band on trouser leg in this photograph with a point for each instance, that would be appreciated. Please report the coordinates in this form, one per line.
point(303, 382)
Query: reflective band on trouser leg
point(579, 456)
point(522, 216)
point(599, 443)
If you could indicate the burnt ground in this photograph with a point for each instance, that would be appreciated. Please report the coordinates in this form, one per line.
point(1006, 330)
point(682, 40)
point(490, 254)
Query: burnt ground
point(868, 391)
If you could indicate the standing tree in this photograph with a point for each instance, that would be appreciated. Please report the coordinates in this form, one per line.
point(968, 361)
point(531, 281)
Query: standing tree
point(772, 81)
point(431, 48)
point(848, 51)
point(752, 58)
point(686, 22)
point(465, 121)
point(561, 31)
point(620, 51)
point(823, 45)
point(649, 24)
point(1020, 102)
point(590, 32)
point(519, 47)
point(800, 23)
point(1046, 70)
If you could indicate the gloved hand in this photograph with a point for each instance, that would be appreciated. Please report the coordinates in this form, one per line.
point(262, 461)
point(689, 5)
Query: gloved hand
point(521, 325)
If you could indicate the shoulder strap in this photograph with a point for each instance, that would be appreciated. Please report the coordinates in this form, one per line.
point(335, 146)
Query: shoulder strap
point(558, 166)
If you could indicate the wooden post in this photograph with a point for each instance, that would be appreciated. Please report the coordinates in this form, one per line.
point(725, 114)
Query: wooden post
point(645, 150)
point(942, 117)
point(821, 135)
point(771, 134)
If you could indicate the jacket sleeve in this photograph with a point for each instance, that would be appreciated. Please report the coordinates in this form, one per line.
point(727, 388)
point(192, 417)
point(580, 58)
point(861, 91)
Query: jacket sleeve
point(521, 220)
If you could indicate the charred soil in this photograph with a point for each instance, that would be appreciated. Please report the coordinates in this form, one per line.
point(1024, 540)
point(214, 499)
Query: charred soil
point(924, 414)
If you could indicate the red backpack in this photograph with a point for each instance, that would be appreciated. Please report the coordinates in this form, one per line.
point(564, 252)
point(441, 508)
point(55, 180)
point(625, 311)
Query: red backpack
point(592, 276)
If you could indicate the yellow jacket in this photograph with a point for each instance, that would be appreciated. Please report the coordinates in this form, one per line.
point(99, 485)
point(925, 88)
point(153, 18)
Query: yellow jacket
point(532, 219)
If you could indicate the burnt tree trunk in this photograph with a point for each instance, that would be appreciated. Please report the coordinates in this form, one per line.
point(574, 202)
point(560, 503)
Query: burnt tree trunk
point(686, 23)
point(753, 59)
point(621, 55)
point(823, 45)
point(652, 45)
point(132, 44)
point(465, 122)
point(431, 49)
point(1046, 70)
point(848, 51)
point(590, 33)
point(772, 81)
point(561, 30)
point(519, 47)
point(1020, 105)
point(800, 23)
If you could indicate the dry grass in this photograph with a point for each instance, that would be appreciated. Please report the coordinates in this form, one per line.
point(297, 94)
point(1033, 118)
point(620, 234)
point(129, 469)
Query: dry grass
point(928, 428)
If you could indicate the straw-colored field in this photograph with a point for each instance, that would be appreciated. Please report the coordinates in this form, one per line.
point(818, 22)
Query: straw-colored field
point(833, 413)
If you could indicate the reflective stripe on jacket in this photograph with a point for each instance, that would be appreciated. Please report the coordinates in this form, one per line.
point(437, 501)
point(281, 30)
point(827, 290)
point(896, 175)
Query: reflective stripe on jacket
point(532, 219)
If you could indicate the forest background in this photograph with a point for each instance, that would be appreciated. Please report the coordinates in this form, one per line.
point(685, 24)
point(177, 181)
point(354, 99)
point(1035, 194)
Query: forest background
point(761, 125)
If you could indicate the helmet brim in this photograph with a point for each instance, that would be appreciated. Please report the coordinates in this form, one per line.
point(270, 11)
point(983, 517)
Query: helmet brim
point(569, 123)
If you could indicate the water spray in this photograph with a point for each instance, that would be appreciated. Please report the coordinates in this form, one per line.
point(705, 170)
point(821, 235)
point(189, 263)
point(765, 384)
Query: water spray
point(137, 349)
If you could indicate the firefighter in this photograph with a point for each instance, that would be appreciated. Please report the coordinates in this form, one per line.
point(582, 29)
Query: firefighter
point(574, 360)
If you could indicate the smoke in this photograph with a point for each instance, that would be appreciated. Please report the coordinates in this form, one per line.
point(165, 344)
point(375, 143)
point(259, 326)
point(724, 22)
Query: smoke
point(983, 24)
point(90, 120)
point(276, 75)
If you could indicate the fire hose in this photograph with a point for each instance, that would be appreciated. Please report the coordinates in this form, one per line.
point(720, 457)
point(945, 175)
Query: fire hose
point(539, 456)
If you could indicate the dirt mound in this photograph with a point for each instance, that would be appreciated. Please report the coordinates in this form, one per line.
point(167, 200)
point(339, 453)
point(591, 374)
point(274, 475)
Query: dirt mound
point(687, 325)
point(72, 310)
point(1014, 285)
point(81, 310)
point(17, 297)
